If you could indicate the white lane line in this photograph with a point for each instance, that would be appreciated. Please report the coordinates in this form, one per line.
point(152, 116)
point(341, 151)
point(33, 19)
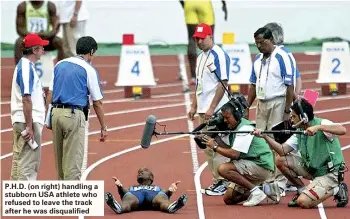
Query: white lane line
point(125, 112)
point(197, 182)
point(94, 165)
point(110, 129)
point(193, 146)
point(159, 64)
point(177, 84)
point(321, 210)
point(180, 104)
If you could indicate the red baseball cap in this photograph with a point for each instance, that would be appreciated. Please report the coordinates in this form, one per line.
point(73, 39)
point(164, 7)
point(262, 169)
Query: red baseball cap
point(202, 31)
point(33, 39)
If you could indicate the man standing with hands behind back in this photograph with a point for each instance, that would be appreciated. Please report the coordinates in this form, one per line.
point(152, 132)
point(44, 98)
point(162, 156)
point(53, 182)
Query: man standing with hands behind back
point(271, 82)
point(210, 93)
point(73, 80)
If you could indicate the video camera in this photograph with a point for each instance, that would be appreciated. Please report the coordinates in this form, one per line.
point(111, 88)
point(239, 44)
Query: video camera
point(239, 105)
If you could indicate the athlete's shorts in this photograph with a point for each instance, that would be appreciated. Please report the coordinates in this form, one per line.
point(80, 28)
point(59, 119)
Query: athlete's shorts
point(146, 196)
point(197, 12)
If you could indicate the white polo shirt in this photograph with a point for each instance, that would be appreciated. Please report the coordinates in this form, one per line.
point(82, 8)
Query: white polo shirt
point(296, 72)
point(26, 81)
point(65, 10)
point(272, 76)
point(206, 81)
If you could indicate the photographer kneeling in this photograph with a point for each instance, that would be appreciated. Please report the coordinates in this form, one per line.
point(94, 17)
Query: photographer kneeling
point(252, 160)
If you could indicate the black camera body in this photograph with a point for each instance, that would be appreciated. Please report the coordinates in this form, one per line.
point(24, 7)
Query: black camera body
point(217, 123)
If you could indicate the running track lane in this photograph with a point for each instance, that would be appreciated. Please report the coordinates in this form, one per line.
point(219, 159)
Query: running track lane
point(177, 165)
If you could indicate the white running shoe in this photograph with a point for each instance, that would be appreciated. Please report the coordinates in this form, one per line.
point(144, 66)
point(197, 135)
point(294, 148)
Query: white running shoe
point(273, 191)
point(255, 198)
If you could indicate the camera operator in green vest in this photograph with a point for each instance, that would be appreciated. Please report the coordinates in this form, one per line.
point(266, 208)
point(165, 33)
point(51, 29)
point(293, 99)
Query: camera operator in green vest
point(321, 159)
point(38, 17)
point(252, 160)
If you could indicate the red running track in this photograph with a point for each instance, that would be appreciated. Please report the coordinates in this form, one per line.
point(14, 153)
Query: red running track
point(170, 160)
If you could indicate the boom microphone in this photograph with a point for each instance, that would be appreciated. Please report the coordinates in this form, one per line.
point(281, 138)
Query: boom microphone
point(148, 131)
point(200, 127)
point(301, 121)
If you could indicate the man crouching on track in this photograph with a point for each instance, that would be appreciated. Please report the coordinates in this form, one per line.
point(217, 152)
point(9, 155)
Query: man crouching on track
point(252, 160)
point(321, 158)
point(145, 196)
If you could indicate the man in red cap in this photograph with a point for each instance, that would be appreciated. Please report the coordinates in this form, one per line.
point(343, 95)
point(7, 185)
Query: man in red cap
point(197, 12)
point(27, 111)
point(212, 68)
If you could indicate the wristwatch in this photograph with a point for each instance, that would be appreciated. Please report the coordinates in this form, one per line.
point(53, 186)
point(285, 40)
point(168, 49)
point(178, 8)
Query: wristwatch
point(215, 146)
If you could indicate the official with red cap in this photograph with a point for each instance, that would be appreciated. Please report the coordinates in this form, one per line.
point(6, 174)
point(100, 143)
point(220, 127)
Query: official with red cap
point(27, 111)
point(213, 66)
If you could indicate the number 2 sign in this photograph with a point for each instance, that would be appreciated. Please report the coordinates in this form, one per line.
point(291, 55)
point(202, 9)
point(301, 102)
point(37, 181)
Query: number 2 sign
point(334, 63)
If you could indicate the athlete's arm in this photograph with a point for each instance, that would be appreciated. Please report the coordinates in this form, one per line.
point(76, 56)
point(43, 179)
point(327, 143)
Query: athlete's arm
point(53, 19)
point(172, 188)
point(121, 190)
point(182, 4)
point(20, 20)
point(224, 8)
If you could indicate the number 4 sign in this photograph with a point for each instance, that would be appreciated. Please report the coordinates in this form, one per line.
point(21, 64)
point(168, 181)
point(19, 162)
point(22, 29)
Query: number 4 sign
point(135, 67)
point(335, 63)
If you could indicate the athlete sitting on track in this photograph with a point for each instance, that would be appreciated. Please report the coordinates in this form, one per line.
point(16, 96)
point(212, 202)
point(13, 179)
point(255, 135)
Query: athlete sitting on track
point(145, 196)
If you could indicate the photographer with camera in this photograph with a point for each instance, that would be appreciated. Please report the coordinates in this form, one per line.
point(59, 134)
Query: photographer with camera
point(212, 75)
point(321, 158)
point(251, 159)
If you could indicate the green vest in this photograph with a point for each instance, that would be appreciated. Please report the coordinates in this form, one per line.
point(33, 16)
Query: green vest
point(37, 20)
point(259, 151)
point(317, 151)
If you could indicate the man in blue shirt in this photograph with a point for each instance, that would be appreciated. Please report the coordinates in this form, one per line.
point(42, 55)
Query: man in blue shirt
point(74, 80)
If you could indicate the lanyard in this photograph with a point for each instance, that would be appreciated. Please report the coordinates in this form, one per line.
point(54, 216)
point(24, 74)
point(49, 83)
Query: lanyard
point(267, 73)
point(200, 61)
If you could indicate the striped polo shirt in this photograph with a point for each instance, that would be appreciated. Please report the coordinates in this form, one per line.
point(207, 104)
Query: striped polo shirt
point(26, 81)
point(272, 74)
point(74, 79)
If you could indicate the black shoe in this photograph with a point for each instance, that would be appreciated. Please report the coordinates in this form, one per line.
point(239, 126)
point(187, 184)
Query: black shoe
point(342, 197)
point(112, 203)
point(178, 204)
point(294, 202)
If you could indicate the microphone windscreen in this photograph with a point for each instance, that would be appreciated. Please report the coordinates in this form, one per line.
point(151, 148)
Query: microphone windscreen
point(148, 131)
point(200, 127)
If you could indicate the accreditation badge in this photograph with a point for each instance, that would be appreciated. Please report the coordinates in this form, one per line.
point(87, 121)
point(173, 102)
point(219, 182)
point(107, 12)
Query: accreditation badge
point(261, 93)
point(199, 89)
